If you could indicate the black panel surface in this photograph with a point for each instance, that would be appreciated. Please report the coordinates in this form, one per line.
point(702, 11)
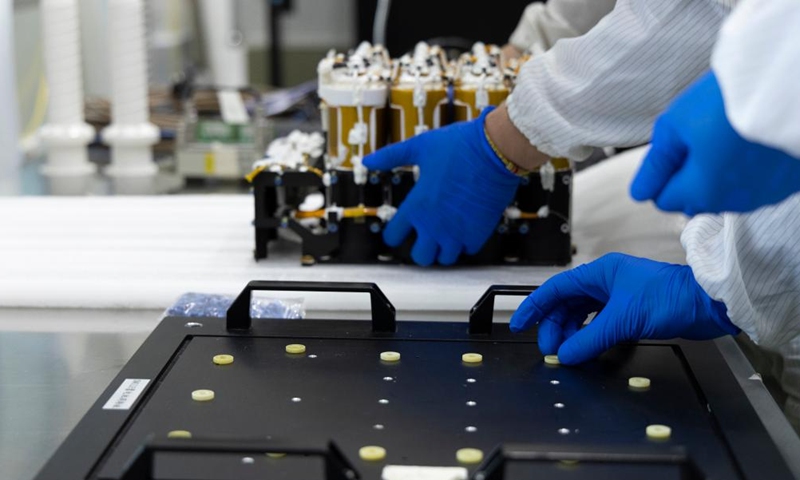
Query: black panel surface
point(340, 381)
point(426, 418)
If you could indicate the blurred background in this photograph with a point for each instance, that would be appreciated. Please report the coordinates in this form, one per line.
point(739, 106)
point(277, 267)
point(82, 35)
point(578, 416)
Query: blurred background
point(267, 51)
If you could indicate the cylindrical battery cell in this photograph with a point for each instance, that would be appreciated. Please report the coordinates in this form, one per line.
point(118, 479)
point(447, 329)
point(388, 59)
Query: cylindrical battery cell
point(406, 118)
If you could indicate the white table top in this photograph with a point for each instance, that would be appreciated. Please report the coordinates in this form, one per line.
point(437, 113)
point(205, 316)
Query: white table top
point(145, 251)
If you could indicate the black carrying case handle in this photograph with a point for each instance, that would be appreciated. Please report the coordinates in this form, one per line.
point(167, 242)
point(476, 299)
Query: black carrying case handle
point(482, 313)
point(383, 312)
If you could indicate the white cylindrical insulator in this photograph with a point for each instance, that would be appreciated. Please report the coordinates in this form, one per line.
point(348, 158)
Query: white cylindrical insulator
point(65, 133)
point(62, 61)
point(10, 155)
point(130, 134)
point(224, 43)
point(128, 60)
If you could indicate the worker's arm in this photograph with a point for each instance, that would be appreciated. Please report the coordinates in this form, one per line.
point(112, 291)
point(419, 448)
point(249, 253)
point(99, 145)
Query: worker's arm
point(606, 87)
point(757, 62)
point(542, 23)
point(731, 142)
point(751, 262)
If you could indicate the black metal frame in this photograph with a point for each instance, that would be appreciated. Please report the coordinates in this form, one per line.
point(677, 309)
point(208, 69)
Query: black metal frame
point(92, 440)
point(539, 241)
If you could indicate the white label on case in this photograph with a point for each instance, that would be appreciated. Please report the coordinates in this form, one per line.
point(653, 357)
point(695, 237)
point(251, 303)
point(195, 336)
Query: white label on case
point(126, 394)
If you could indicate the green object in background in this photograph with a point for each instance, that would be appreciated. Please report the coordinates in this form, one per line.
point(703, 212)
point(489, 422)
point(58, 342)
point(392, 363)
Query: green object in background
point(208, 131)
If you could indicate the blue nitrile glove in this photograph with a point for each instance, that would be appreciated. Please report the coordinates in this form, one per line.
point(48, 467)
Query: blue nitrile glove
point(699, 164)
point(462, 191)
point(636, 298)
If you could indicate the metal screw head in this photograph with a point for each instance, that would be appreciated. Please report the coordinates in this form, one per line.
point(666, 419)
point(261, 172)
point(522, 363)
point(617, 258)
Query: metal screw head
point(375, 227)
point(524, 229)
point(564, 228)
point(396, 179)
point(333, 228)
point(193, 325)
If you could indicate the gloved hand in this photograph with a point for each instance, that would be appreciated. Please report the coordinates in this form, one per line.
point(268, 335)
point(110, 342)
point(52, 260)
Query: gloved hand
point(636, 298)
point(462, 191)
point(699, 164)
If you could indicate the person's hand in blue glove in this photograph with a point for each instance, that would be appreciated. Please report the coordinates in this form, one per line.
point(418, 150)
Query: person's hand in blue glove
point(462, 191)
point(636, 299)
point(699, 164)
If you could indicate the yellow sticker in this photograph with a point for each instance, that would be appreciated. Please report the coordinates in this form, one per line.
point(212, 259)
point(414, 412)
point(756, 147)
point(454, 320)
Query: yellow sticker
point(210, 163)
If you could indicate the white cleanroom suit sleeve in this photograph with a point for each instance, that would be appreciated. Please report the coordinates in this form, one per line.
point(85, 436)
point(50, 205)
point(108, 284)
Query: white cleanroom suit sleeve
point(757, 63)
point(751, 263)
point(543, 23)
point(605, 88)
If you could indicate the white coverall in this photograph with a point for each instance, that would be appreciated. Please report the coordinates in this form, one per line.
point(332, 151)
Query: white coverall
point(543, 23)
point(751, 262)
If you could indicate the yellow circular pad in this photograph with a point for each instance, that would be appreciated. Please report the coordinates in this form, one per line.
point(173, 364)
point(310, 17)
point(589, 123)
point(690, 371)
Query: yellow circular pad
point(203, 395)
point(552, 360)
point(179, 434)
point(390, 356)
point(658, 432)
point(223, 359)
point(276, 455)
point(295, 348)
point(469, 455)
point(639, 382)
point(372, 453)
point(472, 358)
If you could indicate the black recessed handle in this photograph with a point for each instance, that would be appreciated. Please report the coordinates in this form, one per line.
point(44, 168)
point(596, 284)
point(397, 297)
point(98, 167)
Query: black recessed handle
point(141, 465)
point(494, 466)
point(481, 314)
point(383, 312)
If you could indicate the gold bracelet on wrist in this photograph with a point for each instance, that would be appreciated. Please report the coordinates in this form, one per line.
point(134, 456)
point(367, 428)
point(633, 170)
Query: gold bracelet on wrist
point(511, 166)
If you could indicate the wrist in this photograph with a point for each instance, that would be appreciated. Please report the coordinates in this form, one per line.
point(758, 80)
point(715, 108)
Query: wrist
point(511, 144)
point(717, 311)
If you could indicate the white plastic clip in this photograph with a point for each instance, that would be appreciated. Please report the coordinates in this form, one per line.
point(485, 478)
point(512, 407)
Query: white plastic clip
point(543, 212)
point(336, 210)
point(357, 134)
point(547, 173)
point(359, 170)
point(513, 213)
point(386, 212)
